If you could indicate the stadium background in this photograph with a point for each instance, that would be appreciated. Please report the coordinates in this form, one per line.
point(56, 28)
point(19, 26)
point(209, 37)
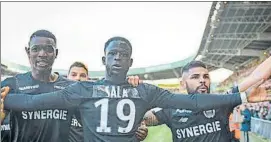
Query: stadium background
point(237, 37)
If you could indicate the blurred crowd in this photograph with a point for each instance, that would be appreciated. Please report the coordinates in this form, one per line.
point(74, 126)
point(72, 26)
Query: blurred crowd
point(258, 110)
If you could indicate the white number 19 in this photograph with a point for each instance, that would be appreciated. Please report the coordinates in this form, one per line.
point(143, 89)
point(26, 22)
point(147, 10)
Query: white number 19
point(104, 115)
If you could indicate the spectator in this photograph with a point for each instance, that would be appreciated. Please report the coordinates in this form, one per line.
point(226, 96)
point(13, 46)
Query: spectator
point(268, 116)
point(234, 128)
point(245, 125)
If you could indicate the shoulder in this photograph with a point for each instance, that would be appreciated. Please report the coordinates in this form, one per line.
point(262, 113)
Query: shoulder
point(13, 81)
point(10, 81)
point(7, 81)
point(26, 75)
point(20, 77)
point(151, 89)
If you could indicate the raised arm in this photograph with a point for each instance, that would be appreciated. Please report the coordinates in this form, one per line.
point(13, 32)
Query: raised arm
point(68, 97)
point(158, 97)
point(263, 71)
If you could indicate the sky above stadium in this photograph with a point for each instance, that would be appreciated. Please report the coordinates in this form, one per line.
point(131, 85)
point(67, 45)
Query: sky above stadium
point(160, 33)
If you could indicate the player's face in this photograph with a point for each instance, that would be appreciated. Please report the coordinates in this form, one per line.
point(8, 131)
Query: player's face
point(78, 74)
point(117, 58)
point(42, 53)
point(197, 81)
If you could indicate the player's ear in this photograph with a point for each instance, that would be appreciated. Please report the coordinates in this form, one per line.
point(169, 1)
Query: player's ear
point(183, 84)
point(131, 61)
point(56, 53)
point(27, 50)
point(103, 60)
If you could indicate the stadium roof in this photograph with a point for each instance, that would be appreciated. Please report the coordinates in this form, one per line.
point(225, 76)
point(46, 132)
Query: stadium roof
point(235, 34)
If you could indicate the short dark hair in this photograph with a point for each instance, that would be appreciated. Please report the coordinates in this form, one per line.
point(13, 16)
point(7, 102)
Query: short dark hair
point(193, 64)
point(117, 38)
point(80, 65)
point(43, 33)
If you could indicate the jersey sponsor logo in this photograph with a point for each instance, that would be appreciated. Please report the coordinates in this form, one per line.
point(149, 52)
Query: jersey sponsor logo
point(183, 119)
point(29, 87)
point(114, 92)
point(45, 114)
point(209, 113)
point(59, 87)
point(75, 123)
point(5, 127)
point(183, 111)
point(198, 130)
point(182, 115)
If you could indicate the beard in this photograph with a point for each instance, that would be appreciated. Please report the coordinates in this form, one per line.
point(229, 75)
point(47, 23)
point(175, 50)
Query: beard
point(196, 91)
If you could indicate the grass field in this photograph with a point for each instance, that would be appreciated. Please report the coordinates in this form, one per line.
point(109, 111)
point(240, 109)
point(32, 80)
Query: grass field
point(163, 134)
point(159, 134)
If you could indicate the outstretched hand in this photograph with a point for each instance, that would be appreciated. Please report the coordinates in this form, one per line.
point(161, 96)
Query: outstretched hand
point(259, 92)
point(134, 80)
point(4, 92)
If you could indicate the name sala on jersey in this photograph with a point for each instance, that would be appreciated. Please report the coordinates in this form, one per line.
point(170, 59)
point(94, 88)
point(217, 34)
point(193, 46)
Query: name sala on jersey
point(115, 92)
point(198, 130)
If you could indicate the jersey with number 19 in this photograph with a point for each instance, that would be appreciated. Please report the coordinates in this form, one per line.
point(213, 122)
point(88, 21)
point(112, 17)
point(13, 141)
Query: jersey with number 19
point(112, 113)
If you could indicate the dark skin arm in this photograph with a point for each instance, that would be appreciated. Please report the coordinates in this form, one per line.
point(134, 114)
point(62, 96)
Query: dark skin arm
point(142, 131)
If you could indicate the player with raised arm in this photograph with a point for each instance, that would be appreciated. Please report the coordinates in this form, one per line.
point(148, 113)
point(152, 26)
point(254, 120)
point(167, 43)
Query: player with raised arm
point(208, 125)
point(120, 106)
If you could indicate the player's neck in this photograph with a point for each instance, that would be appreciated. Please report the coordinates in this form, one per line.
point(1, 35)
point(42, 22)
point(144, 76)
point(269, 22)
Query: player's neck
point(116, 79)
point(45, 76)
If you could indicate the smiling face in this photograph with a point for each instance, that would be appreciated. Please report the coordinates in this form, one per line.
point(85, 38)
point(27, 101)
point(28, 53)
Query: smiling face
point(41, 53)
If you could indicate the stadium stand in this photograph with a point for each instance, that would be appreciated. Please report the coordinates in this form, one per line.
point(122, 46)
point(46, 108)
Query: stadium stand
point(5, 72)
point(164, 71)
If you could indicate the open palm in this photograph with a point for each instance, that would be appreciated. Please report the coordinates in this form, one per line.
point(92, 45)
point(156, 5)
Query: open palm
point(4, 92)
point(259, 93)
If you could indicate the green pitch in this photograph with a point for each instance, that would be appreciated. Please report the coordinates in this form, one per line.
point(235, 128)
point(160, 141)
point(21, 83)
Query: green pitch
point(159, 134)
